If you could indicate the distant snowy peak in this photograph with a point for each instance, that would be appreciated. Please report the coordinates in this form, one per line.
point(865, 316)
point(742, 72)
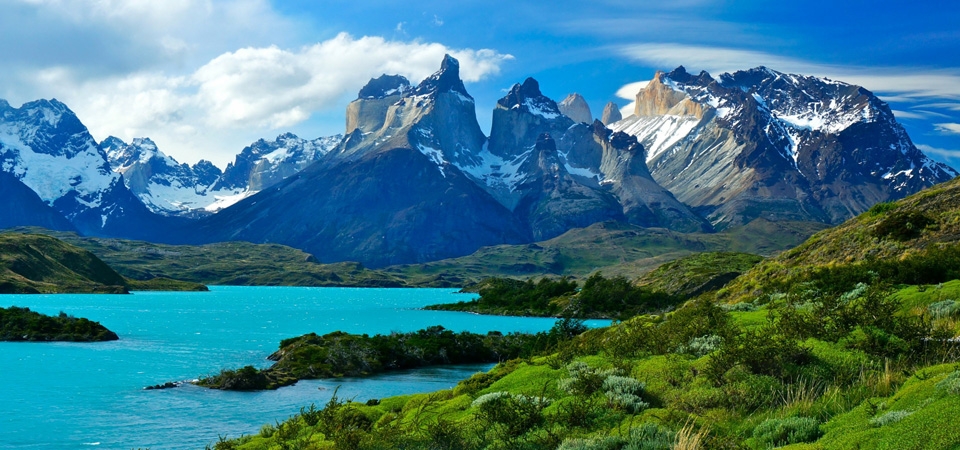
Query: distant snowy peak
point(265, 163)
point(168, 187)
point(164, 185)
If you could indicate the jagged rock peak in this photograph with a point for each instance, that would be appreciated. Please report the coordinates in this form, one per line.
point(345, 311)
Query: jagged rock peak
point(611, 114)
point(444, 80)
point(680, 75)
point(575, 107)
point(527, 97)
point(385, 86)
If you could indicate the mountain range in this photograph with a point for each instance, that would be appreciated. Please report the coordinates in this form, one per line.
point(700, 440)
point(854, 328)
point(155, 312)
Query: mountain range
point(414, 178)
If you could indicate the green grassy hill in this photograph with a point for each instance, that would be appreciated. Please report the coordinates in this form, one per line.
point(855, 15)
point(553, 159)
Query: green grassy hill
point(32, 263)
point(910, 241)
point(228, 263)
point(37, 263)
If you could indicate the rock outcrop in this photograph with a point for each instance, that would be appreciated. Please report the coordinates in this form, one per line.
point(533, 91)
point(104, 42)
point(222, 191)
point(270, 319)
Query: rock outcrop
point(576, 108)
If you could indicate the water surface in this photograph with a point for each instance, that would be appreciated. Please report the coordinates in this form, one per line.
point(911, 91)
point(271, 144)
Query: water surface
point(90, 395)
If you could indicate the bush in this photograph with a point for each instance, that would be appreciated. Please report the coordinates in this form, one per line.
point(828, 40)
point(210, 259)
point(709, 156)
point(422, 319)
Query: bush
point(950, 384)
point(648, 436)
point(792, 430)
point(584, 380)
point(624, 393)
point(944, 309)
point(889, 418)
point(702, 345)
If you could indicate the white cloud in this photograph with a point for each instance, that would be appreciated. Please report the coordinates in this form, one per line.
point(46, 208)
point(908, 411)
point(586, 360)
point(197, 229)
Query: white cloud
point(245, 94)
point(903, 82)
point(908, 115)
point(949, 128)
point(941, 152)
point(629, 91)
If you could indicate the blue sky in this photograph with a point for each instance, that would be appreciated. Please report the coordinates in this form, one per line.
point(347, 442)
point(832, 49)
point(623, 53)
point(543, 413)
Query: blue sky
point(204, 78)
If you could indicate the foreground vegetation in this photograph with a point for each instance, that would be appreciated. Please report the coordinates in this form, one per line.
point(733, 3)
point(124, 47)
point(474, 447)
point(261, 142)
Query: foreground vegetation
point(21, 324)
point(849, 341)
point(339, 354)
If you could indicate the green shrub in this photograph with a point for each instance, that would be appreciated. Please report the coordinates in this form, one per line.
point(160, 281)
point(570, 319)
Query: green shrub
point(584, 380)
point(702, 345)
point(902, 226)
point(950, 384)
point(944, 309)
point(890, 417)
point(624, 393)
point(267, 430)
point(648, 436)
point(791, 430)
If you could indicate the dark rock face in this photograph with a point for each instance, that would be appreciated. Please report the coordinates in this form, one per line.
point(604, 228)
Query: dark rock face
point(23, 207)
point(761, 143)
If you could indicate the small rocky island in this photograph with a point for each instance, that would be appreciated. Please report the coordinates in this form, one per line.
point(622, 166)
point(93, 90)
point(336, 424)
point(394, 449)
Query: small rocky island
point(21, 324)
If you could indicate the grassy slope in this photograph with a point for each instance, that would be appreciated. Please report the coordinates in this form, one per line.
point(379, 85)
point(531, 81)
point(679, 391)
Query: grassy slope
point(42, 264)
point(699, 273)
point(861, 238)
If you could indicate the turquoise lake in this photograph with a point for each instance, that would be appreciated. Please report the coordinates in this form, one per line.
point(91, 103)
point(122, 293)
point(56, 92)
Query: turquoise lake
point(90, 395)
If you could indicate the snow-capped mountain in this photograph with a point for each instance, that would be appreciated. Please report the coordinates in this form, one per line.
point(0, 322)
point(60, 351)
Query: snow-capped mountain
point(46, 147)
point(571, 174)
point(172, 188)
point(392, 191)
point(761, 143)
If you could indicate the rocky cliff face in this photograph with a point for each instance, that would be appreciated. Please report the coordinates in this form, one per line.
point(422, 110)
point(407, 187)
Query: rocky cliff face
point(611, 114)
point(556, 174)
point(761, 143)
point(575, 107)
point(437, 117)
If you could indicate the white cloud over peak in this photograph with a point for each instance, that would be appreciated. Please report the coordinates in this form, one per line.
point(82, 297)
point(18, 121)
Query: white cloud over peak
point(242, 95)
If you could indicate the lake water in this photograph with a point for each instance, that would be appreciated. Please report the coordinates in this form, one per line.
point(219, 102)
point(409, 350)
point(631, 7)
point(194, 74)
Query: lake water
point(90, 395)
